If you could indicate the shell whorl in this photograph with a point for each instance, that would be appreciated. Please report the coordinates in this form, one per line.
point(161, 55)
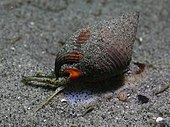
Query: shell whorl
point(100, 51)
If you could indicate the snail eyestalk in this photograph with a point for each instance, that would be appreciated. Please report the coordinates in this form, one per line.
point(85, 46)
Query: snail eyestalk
point(48, 79)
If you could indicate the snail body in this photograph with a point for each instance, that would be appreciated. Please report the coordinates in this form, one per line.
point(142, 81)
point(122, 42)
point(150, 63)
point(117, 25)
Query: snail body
point(98, 52)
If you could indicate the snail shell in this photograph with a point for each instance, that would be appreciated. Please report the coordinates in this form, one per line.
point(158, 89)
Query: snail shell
point(98, 52)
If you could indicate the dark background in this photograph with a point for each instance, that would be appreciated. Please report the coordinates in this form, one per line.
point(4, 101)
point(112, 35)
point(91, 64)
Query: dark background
point(31, 31)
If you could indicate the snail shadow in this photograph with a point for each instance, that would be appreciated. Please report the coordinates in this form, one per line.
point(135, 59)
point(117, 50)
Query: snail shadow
point(82, 93)
point(85, 93)
point(110, 84)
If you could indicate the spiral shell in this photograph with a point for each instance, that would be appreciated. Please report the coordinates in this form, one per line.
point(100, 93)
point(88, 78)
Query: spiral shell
point(100, 51)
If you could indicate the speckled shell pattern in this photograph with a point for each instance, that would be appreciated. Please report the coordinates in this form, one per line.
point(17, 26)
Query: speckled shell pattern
point(99, 51)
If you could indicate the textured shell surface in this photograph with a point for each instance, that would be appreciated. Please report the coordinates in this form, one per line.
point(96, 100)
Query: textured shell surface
point(99, 51)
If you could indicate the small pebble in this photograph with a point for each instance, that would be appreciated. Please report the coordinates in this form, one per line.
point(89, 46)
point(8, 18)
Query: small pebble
point(159, 119)
point(12, 48)
point(123, 96)
point(143, 99)
point(63, 100)
point(32, 23)
point(73, 125)
point(108, 96)
point(161, 88)
point(140, 39)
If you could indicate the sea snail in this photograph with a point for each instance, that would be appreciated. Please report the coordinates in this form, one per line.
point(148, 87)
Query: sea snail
point(98, 52)
point(94, 53)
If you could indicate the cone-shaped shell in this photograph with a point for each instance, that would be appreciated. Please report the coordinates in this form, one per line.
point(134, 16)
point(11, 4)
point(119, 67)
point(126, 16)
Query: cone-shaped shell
point(99, 51)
